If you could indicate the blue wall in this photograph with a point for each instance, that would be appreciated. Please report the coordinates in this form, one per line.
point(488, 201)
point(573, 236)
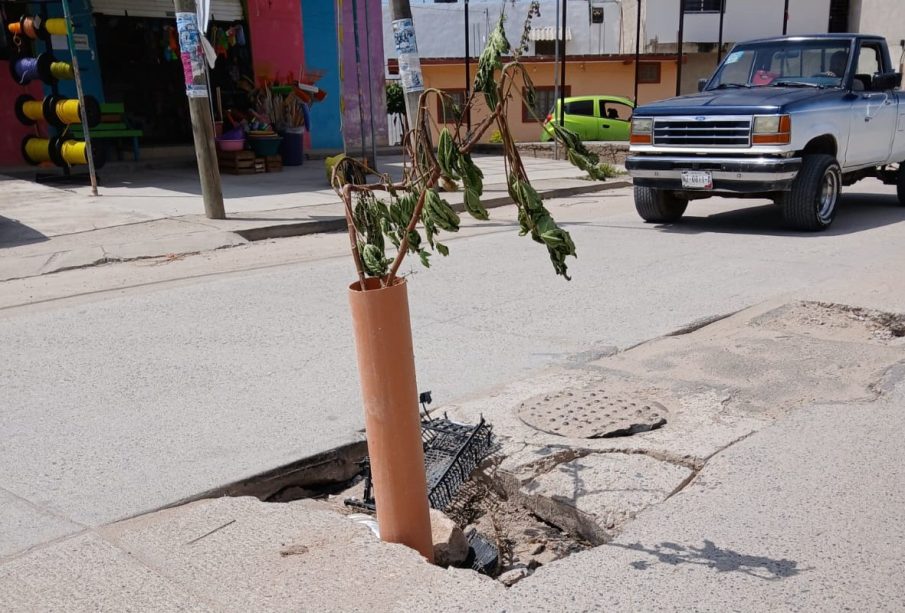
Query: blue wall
point(320, 40)
point(89, 67)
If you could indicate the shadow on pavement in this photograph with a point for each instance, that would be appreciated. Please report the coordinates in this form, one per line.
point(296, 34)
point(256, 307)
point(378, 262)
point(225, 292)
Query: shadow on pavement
point(855, 213)
point(716, 558)
point(15, 234)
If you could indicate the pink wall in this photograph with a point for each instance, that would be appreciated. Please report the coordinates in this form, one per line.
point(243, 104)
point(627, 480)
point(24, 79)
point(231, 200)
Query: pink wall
point(11, 131)
point(376, 89)
point(276, 38)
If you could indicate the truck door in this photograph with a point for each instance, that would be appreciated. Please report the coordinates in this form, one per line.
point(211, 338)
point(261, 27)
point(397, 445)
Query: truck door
point(874, 113)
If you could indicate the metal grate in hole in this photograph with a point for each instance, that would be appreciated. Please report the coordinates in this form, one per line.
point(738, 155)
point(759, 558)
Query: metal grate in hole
point(452, 451)
point(592, 413)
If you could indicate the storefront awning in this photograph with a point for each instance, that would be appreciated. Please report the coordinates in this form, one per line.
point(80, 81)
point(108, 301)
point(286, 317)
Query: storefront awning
point(548, 33)
point(220, 10)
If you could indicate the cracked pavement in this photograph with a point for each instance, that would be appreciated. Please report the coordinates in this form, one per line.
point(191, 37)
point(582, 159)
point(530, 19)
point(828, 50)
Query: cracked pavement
point(776, 482)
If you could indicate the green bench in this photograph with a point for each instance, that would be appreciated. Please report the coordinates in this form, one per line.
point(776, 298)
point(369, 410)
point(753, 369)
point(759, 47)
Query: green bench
point(113, 125)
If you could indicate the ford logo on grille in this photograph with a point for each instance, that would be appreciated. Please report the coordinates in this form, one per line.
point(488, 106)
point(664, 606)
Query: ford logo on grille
point(700, 118)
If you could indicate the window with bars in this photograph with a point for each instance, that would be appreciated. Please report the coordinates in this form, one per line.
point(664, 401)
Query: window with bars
point(548, 47)
point(545, 100)
point(702, 6)
point(649, 72)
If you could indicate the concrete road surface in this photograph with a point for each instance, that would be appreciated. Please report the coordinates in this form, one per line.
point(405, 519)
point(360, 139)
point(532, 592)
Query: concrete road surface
point(159, 380)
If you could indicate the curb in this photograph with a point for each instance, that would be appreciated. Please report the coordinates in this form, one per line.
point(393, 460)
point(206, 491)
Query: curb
point(338, 224)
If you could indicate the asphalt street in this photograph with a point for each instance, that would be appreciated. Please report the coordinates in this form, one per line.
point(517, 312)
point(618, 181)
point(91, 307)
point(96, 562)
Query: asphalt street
point(136, 394)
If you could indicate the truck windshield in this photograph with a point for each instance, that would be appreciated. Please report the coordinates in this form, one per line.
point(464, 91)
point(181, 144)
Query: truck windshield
point(788, 63)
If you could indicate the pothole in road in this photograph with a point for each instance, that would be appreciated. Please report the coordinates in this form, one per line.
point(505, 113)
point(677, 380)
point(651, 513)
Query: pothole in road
point(524, 541)
point(532, 513)
point(836, 322)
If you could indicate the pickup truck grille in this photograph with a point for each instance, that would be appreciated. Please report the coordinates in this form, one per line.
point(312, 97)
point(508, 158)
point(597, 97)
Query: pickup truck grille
point(710, 132)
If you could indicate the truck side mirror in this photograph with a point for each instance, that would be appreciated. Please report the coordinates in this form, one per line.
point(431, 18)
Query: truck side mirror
point(886, 81)
point(702, 83)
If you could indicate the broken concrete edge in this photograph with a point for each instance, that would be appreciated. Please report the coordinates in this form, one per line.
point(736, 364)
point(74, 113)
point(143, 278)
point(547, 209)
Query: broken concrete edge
point(561, 512)
point(331, 467)
point(338, 224)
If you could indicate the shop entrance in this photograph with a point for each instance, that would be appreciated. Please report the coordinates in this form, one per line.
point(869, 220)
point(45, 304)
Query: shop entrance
point(141, 67)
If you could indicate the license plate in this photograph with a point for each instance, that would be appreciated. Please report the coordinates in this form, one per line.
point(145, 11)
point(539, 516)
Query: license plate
point(697, 179)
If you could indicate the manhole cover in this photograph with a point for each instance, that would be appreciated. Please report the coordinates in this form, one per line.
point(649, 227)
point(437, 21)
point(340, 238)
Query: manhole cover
point(592, 413)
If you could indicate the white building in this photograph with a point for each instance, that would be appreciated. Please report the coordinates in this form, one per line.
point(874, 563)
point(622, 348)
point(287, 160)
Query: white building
point(884, 17)
point(593, 28)
point(608, 27)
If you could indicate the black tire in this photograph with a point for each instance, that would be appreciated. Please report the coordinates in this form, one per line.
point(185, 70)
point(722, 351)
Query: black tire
point(900, 183)
point(811, 204)
point(658, 206)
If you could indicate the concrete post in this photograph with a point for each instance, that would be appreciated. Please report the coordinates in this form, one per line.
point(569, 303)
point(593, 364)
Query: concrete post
point(202, 124)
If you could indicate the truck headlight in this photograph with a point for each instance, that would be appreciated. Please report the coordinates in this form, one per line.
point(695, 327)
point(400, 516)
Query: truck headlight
point(771, 130)
point(642, 127)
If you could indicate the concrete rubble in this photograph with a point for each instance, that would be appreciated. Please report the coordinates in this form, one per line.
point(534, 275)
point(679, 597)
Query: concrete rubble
point(450, 545)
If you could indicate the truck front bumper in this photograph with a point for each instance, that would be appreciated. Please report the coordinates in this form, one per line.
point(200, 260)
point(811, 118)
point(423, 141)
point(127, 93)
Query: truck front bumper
point(741, 175)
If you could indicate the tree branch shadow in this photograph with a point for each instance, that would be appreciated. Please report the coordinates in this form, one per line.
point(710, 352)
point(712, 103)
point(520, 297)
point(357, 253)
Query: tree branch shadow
point(716, 558)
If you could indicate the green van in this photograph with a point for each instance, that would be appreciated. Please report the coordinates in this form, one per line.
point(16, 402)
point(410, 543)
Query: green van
point(594, 117)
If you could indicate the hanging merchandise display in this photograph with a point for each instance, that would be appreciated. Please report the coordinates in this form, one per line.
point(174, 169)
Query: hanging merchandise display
point(56, 110)
point(44, 67)
point(34, 27)
point(61, 152)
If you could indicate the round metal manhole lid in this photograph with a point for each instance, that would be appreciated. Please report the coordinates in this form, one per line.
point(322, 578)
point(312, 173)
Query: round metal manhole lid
point(592, 413)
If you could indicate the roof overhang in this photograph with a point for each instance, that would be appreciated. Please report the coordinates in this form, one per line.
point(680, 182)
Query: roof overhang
point(547, 33)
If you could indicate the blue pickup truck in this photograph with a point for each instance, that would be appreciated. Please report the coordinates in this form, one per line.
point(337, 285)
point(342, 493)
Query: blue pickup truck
point(792, 119)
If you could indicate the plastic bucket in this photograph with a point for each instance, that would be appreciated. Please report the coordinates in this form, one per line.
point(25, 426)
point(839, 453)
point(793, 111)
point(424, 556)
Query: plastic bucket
point(292, 147)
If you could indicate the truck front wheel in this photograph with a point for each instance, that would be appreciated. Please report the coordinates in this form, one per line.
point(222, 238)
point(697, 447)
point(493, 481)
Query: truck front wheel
point(658, 206)
point(811, 204)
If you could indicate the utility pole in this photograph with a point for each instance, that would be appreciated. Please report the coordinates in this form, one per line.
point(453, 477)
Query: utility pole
point(637, 51)
point(89, 152)
point(196, 90)
point(467, 67)
point(719, 45)
point(562, 68)
point(679, 48)
point(407, 53)
point(785, 19)
point(557, 86)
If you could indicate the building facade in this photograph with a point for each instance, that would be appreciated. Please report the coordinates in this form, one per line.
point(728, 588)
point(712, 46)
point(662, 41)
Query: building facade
point(599, 42)
point(742, 20)
point(883, 17)
point(129, 53)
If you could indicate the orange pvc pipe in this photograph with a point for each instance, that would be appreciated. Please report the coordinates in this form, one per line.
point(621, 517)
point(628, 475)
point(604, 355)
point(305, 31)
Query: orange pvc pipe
point(386, 368)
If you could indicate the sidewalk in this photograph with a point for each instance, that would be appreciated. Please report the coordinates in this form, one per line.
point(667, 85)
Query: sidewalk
point(148, 212)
